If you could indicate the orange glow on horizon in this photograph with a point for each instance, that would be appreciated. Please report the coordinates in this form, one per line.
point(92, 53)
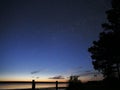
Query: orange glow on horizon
point(45, 78)
point(84, 79)
point(29, 79)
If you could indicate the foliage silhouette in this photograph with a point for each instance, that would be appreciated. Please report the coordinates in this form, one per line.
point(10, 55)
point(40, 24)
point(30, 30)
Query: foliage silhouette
point(74, 83)
point(106, 51)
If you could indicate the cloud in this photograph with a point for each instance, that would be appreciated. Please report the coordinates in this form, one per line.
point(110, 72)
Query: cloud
point(37, 71)
point(34, 72)
point(57, 77)
point(37, 77)
point(74, 70)
point(89, 72)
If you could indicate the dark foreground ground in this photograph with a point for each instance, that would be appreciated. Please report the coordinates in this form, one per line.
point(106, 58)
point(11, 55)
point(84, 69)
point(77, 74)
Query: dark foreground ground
point(102, 85)
point(92, 85)
point(87, 86)
point(95, 85)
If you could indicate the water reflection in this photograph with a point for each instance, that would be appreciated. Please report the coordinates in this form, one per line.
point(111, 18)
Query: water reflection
point(28, 85)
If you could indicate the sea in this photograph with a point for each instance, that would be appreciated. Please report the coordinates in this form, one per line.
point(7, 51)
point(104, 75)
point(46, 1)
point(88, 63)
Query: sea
point(10, 86)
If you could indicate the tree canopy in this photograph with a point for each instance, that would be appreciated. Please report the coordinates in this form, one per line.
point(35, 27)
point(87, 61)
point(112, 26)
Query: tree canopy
point(106, 51)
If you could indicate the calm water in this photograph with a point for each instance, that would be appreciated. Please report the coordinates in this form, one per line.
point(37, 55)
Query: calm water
point(28, 85)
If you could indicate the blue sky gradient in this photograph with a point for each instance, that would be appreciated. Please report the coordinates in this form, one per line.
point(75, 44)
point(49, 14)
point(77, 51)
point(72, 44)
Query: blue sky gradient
point(50, 37)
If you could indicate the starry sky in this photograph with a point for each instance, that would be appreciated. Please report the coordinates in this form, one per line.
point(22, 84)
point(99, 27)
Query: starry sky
point(49, 39)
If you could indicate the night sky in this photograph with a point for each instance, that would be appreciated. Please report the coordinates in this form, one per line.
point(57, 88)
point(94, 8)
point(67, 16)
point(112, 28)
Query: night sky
point(49, 39)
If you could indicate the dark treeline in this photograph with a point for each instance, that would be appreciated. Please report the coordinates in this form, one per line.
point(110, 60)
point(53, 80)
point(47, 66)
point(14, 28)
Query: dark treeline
point(105, 54)
point(106, 51)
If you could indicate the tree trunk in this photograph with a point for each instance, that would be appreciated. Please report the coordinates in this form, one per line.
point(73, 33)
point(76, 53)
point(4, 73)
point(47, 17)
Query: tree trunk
point(118, 71)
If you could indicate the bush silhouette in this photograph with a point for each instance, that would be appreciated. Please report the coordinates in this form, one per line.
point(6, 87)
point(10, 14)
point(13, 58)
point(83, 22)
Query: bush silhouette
point(74, 83)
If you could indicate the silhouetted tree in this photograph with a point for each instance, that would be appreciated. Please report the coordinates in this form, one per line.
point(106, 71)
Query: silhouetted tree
point(106, 51)
point(74, 83)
